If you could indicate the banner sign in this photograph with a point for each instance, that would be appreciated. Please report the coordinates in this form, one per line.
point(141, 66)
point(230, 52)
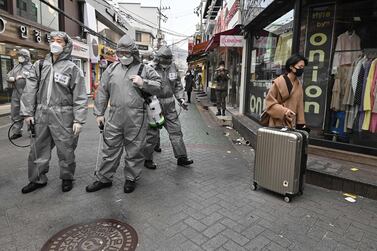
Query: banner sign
point(230, 41)
point(318, 51)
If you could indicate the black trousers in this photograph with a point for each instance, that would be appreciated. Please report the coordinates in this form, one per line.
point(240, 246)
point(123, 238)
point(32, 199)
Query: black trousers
point(189, 97)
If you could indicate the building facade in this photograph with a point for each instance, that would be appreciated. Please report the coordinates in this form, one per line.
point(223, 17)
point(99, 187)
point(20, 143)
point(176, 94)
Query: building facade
point(23, 24)
point(221, 40)
point(107, 20)
point(144, 19)
point(338, 38)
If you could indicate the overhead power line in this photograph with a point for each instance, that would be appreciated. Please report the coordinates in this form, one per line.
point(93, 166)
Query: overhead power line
point(180, 41)
point(90, 31)
point(132, 15)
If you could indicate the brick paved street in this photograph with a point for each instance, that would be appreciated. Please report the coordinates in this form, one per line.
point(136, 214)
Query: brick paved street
point(206, 207)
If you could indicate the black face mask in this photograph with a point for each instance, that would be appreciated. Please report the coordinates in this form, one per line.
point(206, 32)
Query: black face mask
point(299, 72)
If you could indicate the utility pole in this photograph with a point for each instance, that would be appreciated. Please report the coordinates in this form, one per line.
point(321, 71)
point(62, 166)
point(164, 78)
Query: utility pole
point(199, 12)
point(160, 16)
point(201, 21)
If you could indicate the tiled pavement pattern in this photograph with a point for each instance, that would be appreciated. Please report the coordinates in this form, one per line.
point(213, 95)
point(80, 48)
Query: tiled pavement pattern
point(206, 207)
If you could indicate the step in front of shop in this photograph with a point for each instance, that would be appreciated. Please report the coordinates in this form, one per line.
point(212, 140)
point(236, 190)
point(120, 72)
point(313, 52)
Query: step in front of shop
point(222, 120)
point(337, 172)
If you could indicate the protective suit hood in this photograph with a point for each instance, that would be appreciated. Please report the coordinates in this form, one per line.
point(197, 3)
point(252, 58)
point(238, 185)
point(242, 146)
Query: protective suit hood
point(24, 53)
point(127, 43)
point(164, 52)
point(67, 50)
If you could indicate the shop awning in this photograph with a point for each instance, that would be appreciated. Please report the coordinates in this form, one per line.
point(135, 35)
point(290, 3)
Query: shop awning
point(199, 48)
point(193, 58)
point(269, 14)
point(214, 42)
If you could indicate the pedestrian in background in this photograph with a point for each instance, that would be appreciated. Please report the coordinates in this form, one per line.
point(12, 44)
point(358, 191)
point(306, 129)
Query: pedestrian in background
point(189, 79)
point(222, 79)
point(17, 78)
point(55, 101)
point(285, 99)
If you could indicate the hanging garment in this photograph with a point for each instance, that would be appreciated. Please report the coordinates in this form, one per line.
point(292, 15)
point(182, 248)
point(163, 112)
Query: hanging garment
point(338, 123)
point(342, 82)
point(359, 85)
point(367, 96)
point(373, 121)
point(368, 65)
point(349, 98)
point(355, 74)
point(346, 42)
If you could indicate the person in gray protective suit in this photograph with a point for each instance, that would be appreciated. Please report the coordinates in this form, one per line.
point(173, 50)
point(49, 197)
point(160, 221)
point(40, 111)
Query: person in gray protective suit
point(125, 85)
point(17, 78)
point(172, 87)
point(54, 102)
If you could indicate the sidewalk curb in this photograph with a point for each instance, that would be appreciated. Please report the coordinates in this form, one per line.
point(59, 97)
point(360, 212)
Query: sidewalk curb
point(4, 115)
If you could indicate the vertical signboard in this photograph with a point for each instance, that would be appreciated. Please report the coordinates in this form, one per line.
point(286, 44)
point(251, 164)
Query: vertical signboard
point(318, 51)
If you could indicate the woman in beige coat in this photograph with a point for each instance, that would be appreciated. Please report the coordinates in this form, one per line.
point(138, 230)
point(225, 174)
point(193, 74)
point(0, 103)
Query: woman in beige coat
point(285, 99)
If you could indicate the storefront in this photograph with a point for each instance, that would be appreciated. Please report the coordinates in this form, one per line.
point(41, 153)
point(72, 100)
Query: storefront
point(80, 56)
point(226, 46)
point(198, 61)
point(14, 35)
point(339, 39)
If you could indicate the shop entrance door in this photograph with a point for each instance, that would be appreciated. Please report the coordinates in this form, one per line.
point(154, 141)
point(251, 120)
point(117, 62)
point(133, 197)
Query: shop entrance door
point(5, 89)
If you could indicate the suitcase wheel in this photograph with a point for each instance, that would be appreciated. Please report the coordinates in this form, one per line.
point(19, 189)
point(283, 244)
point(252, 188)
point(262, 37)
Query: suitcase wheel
point(254, 186)
point(287, 199)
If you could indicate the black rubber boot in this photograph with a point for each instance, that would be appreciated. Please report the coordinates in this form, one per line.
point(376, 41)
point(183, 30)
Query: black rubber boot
point(184, 161)
point(32, 186)
point(157, 149)
point(129, 186)
point(67, 185)
point(218, 113)
point(97, 185)
point(150, 164)
point(223, 112)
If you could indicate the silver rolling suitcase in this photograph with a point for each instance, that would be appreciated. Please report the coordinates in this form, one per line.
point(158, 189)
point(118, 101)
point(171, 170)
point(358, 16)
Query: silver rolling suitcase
point(280, 161)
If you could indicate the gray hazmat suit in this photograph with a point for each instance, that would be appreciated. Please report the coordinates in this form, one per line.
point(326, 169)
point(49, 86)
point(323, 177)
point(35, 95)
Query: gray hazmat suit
point(19, 74)
point(56, 101)
point(126, 127)
point(172, 87)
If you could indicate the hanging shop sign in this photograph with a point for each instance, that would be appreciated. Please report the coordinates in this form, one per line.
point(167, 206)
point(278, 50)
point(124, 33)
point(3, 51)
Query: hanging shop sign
point(80, 49)
point(190, 46)
point(11, 29)
point(230, 41)
point(3, 22)
point(318, 51)
point(93, 48)
point(232, 12)
point(108, 53)
point(91, 21)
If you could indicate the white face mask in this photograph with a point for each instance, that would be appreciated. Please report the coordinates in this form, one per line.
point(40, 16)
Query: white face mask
point(56, 48)
point(21, 59)
point(126, 60)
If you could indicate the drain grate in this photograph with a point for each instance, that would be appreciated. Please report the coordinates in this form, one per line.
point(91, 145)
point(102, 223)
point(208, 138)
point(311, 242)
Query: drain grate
point(105, 234)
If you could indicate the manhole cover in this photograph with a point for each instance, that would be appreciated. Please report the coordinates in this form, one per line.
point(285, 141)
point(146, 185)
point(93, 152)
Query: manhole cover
point(99, 235)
